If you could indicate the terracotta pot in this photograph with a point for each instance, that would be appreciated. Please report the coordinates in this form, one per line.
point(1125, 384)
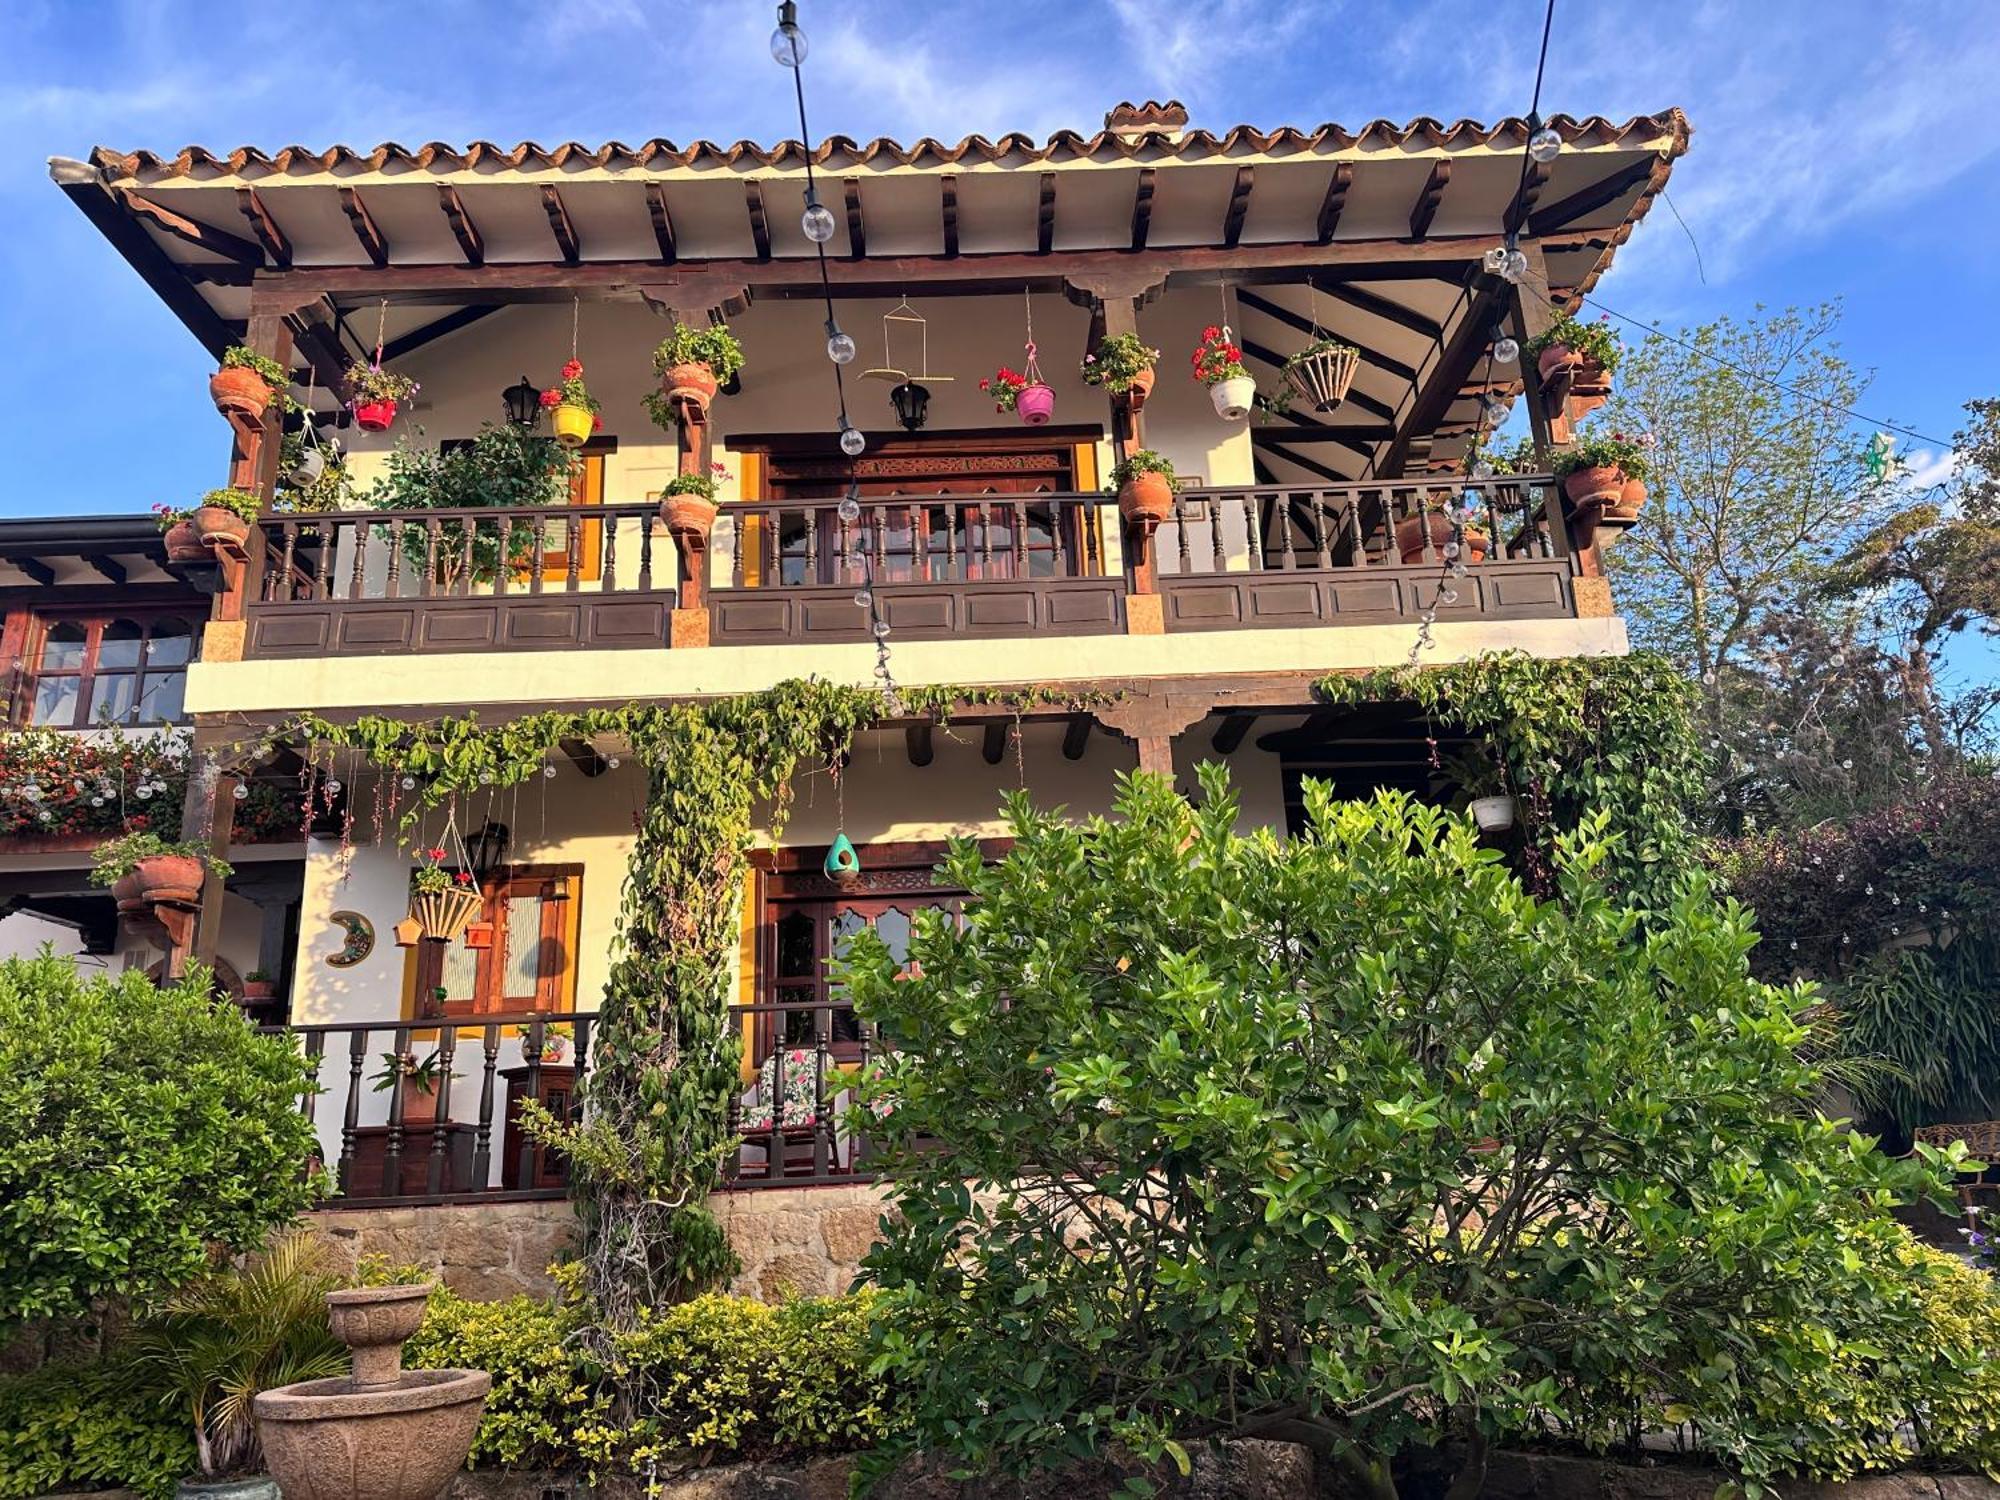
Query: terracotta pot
point(212, 523)
point(1233, 397)
point(1134, 395)
point(573, 425)
point(125, 891)
point(1631, 500)
point(1557, 358)
point(1595, 488)
point(1035, 405)
point(256, 991)
point(420, 1106)
point(374, 416)
point(238, 392)
point(169, 877)
point(1410, 539)
point(184, 543)
point(1146, 496)
point(691, 385)
point(688, 515)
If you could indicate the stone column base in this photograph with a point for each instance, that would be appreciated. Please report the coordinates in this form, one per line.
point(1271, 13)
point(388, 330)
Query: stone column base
point(1593, 598)
point(1145, 614)
point(688, 629)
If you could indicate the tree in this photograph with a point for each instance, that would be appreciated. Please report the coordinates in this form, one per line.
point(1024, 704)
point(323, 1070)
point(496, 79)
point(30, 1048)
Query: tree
point(139, 1129)
point(1350, 1140)
point(1757, 482)
point(504, 468)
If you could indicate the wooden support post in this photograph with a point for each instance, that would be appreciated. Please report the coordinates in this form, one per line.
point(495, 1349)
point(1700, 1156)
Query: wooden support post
point(254, 467)
point(1530, 316)
point(1151, 720)
point(689, 626)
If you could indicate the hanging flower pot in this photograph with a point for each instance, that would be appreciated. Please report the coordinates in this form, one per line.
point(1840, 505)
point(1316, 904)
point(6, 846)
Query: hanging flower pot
point(842, 864)
point(1322, 372)
point(1023, 392)
point(1586, 352)
point(1411, 530)
point(1596, 471)
point(1493, 814)
point(572, 409)
point(1631, 500)
point(692, 365)
point(445, 914)
point(169, 877)
point(223, 518)
point(239, 391)
point(177, 533)
point(374, 416)
point(1145, 483)
point(306, 473)
point(125, 891)
point(1557, 359)
point(573, 425)
point(1218, 364)
point(1035, 405)
point(1122, 364)
point(375, 394)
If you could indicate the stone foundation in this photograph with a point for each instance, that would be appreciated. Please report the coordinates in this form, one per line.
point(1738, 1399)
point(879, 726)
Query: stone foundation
point(802, 1242)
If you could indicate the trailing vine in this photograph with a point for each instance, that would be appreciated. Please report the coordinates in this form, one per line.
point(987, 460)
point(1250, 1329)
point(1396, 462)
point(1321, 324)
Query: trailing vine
point(1577, 735)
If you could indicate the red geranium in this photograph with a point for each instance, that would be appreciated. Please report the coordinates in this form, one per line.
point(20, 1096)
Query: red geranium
point(551, 397)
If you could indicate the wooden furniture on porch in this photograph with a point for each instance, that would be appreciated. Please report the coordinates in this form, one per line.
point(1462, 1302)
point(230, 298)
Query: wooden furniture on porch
point(365, 1171)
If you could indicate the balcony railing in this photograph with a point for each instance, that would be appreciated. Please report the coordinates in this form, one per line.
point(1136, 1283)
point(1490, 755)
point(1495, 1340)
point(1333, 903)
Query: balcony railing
point(942, 566)
point(463, 1141)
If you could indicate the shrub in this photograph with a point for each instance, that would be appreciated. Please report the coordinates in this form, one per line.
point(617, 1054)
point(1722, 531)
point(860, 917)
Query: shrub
point(541, 1396)
point(1350, 1140)
point(139, 1127)
point(67, 1427)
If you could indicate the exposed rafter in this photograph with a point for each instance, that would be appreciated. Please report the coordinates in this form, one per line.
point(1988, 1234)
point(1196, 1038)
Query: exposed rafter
point(1045, 215)
point(1076, 737)
point(584, 756)
point(663, 224)
point(470, 242)
point(1363, 300)
point(857, 227)
point(82, 186)
point(110, 570)
point(917, 743)
point(1383, 362)
point(277, 245)
point(567, 244)
point(372, 244)
point(1142, 208)
point(437, 328)
point(1428, 200)
point(1588, 200)
point(760, 226)
point(1536, 178)
point(1449, 372)
point(192, 231)
point(1230, 732)
point(948, 211)
point(1310, 465)
point(1360, 441)
point(1239, 205)
point(1335, 201)
point(993, 744)
point(36, 569)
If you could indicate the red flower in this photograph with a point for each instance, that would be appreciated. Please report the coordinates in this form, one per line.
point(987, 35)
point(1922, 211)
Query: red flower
point(572, 369)
point(465, 877)
point(437, 855)
point(1211, 332)
point(552, 398)
point(985, 384)
point(596, 423)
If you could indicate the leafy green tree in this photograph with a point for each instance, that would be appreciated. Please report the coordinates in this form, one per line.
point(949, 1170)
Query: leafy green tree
point(1350, 1140)
point(139, 1129)
point(504, 467)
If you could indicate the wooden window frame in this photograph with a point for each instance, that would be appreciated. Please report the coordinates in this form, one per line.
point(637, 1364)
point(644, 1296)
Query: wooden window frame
point(425, 966)
point(90, 671)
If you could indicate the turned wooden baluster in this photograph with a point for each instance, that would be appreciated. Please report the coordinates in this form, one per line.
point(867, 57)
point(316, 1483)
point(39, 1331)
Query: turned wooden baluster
point(985, 539)
point(392, 1154)
point(432, 535)
point(1056, 537)
point(440, 1129)
point(812, 546)
point(1289, 559)
point(482, 1134)
point(646, 550)
point(1252, 539)
point(572, 551)
point(1181, 549)
point(506, 555)
point(1322, 538)
point(537, 562)
point(394, 588)
point(356, 577)
point(323, 568)
point(524, 1161)
point(357, 1052)
point(607, 566)
point(285, 580)
point(469, 531)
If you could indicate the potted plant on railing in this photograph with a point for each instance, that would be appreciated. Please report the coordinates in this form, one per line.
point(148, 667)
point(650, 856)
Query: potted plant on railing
point(246, 383)
point(573, 411)
point(141, 868)
point(259, 987)
point(183, 542)
point(1123, 365)
point(693, 364)
point(687, 502)
point(418, 1080)
point(1587, 352)
point(1435, 520)
point(222, 518)
point(1598, 474)
point(1218, 364)
point(1027, 397)
point(1145, 484)
point(442, 901)
point(374, 394)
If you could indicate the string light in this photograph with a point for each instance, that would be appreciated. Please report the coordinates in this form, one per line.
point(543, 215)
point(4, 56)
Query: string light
point(788, 43)
point(1544, 146)
point(1506, 349)
point(817, 220)
point(851, 440)
point(839, 346)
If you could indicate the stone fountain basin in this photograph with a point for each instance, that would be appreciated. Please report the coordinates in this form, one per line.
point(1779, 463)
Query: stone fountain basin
point(328, 1440)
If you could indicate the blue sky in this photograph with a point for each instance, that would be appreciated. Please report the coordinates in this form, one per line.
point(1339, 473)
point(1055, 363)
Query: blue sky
point(1841, 150)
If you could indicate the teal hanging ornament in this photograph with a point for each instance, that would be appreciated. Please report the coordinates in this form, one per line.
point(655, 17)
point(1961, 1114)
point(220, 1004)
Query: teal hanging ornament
point(1877, 459)
point(842, 863)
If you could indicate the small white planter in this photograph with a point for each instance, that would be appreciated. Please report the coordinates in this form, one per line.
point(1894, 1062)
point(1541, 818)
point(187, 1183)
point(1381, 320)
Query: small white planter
point(307, 471)
point(1493, 814)
point(1234, 397)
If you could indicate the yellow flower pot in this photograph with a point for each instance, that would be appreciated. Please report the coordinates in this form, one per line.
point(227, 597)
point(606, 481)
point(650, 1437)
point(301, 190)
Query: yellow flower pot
point(573, 425)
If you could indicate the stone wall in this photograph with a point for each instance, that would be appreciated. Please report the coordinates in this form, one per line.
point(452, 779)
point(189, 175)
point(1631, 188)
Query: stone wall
point(805, 1241)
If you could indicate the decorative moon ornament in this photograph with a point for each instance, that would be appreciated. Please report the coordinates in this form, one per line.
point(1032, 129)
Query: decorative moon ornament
point(359, 941)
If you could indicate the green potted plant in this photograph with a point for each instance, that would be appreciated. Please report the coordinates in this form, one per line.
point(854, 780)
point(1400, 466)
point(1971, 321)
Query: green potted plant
point(374, 394)
point(1145, 484)
point(177, 533)
point(687, 502)
point(1482, 789)
point(223, 518)
point(693, 363)
point(442, 901)
point(1123, 365)
point(219, 1343)
point(573, 411)
point(259, 985)
point(418, 1078)
point(1433, 519)
point(245, 383)
point(142, 867)
point(1597, 470)
point(1588, 351)
point(1321, 373)
point(1218, 364)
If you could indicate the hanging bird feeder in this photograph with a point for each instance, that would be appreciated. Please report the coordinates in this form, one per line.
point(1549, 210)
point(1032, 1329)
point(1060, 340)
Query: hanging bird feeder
point(910, 396)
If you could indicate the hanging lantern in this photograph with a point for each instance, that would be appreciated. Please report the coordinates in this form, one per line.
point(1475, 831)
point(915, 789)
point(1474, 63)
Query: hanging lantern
point(486, 850)
point(523, 403)
point(912, 403)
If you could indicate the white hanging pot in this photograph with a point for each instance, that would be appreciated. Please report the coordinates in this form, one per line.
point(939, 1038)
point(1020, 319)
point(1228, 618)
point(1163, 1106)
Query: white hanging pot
point(1323, 377)
point(1233, 397)
point(306, 472)
point(1493, 814)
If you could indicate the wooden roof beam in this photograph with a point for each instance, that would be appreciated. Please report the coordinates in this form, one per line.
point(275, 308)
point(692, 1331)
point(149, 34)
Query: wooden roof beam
point(560, 226)
point(372, 244)
point(857, 227)
point(1310, 465)
point(470, 243)
point(202, 236)
point(1530, 189)
point(663, 224)
point(948, 211)
point(437, 328)
point(1335, 201)
point(1076, 736)
point(760, 226)
point(84, 187)
point(1362, 300)
point(104, 567)
point(1142, 208)
point(1428, 200)
point(993, 744)
point(1045, 215)
point(917, 743)
point(1598, 195)
point(1239, 205)
point(273, 238)
point(1383, 362)
point(1360, 441)
point(36, 569)
point(1452, 368)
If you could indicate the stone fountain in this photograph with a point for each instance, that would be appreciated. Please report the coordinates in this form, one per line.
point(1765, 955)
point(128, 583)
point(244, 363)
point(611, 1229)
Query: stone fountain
point(383, 1432)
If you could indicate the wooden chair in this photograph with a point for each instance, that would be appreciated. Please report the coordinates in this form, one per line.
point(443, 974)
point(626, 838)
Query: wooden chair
point(1982, 1143)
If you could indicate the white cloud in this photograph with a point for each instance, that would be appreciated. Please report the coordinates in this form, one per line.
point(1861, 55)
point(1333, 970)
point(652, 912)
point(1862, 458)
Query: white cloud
point(1925, 468)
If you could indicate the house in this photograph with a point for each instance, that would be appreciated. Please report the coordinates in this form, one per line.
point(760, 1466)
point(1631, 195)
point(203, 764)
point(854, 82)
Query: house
point(988, 548)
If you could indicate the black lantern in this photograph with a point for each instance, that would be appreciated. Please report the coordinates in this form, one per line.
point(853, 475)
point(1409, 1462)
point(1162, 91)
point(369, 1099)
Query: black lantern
point(912, 403)
point(486, 850)
point(524, 403)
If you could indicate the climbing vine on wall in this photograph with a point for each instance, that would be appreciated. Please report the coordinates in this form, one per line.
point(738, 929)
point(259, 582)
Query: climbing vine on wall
point(1614, 734)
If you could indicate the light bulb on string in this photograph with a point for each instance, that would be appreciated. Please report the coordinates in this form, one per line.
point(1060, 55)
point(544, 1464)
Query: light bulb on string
point(851, 440)
point(817, 220)
point(850, 505)
point(880, 629)
point(1544, 146)
point(863, 599)
point(839, 346)
point(788, 43)
point(1506, 349)
point(1516, 268)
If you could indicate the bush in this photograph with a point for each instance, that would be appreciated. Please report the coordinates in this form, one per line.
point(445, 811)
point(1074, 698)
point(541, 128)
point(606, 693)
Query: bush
point(1350, 1140)
point(139, 1128)
point(90, 1427)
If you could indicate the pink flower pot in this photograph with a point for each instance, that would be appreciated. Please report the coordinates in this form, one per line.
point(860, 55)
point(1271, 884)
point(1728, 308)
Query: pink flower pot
point(1035, 405)
point(374, 416)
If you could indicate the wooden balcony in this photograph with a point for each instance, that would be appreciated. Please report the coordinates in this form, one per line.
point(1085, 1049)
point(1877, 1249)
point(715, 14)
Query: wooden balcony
point(943, 566)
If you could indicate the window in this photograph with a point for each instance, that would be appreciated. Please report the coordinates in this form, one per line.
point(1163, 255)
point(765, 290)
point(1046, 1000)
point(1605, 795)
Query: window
point(531, 963)
point(119, 669)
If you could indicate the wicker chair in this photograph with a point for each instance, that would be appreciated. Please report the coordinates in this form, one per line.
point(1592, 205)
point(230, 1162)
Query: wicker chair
point(1982, 1143)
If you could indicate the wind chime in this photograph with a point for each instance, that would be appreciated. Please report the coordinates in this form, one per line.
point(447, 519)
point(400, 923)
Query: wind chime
point(910, 397)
